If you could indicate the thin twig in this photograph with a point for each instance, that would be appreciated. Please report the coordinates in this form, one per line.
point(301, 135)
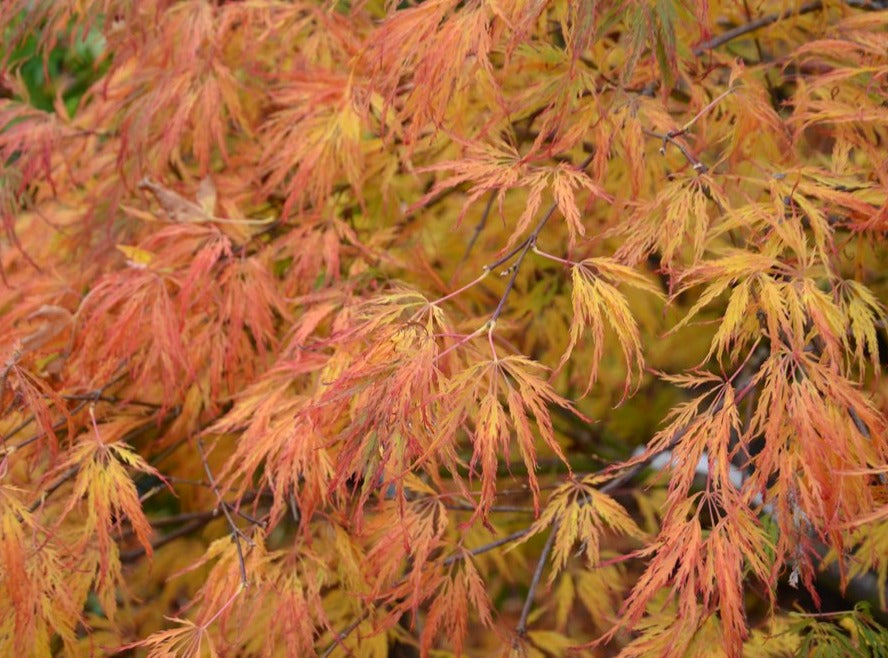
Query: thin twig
point(86, 398)
point(235, 531)
point(757, 24)
point(698, 166)
point(770, 19)
point(188, 528)
point(522, 250)
point(484, 548)
point(458, 291)
point(516, 267)
point(455, 557)
point(514, 250)
point(344, 633)
point(51, 489)
point(496, 509)
point(175, 519)
point(477, 232)
point(715, 101)
point(249, 494)
point(521, 628)
point(92, 397)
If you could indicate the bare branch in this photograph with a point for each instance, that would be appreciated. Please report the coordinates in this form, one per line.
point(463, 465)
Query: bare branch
point(235, 531)
point(770, 19)
point(521, 628)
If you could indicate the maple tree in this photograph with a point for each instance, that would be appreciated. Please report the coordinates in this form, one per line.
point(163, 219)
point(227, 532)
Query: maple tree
point(468, 327)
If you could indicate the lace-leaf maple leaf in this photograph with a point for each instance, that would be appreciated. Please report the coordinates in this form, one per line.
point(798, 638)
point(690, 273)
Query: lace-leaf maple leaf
point(704, 569)
point(595, 300)
point(45, 602)
point(315, 138)
point(461, 587)
point(105, 487)
point(440, 61)
point(476, 393)
point(497, 167)
point(188, 640)
point(580, 513)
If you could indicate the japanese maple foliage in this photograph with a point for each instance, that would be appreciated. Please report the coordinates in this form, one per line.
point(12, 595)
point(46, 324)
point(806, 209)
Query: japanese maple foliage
point(474, 327)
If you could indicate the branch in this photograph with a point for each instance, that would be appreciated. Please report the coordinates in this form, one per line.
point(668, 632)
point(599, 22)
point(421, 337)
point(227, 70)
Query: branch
point(626, 475)
point(455, 557)
point(521, 628)
point(94, 396)
point(91, 396)
point(484, 548)
point(188, 528)
point(341, 635)
point(522, 250)
point(496, 509)
point(769, 19)
point(51, 489)
point(669, 137)
point(175, 519)
point(235, 531)
point(477, 232)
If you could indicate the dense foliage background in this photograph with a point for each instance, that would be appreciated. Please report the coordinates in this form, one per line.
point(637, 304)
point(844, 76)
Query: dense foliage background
point(479, 327)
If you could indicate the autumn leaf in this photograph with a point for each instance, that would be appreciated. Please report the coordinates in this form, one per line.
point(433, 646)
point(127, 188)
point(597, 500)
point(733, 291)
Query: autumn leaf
point(579, 513)
point(595, 300)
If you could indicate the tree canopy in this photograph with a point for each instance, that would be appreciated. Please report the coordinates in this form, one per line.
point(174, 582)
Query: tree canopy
point(443, 327)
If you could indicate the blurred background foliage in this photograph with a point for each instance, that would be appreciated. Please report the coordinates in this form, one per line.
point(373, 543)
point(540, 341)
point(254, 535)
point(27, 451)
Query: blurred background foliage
point(66, 71)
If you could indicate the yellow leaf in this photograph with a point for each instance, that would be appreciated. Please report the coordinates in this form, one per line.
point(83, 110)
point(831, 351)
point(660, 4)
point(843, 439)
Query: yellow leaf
point(136, 256)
